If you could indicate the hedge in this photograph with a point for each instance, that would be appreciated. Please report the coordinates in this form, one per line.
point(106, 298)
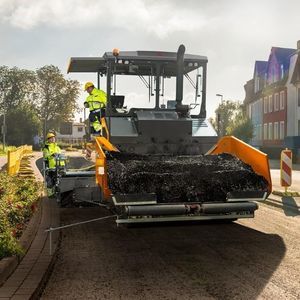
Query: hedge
point(18, 201)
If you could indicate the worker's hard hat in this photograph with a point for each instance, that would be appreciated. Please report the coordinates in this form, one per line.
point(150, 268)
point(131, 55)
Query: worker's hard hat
point(87, 85)
point(50, 135)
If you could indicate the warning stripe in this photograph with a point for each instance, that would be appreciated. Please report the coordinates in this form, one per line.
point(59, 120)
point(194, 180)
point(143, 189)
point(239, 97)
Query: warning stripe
point(88, 152)
point(287, 158)
point(286, 178)
point(286, 168)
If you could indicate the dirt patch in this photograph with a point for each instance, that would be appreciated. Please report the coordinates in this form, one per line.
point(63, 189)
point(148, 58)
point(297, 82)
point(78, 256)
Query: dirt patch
point(182, 178)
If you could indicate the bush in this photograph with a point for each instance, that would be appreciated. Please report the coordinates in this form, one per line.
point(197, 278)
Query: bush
point(5, 150)
point(18, 199)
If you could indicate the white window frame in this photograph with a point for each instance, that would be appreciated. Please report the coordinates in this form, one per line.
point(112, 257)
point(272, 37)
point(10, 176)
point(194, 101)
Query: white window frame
point(265, 105)
point(282, 99)
point(276, 102)
point(270, 134)
point(265, 131)
point(281, 130)
point(276, 126)
point(270, 103)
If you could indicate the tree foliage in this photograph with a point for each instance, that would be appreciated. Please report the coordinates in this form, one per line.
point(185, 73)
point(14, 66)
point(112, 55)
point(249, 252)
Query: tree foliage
point(241, 126)
point(56, 96)
point(33, 99)
point(17, 86)
point(224, 115)
point(231, 119)
point(23, 124)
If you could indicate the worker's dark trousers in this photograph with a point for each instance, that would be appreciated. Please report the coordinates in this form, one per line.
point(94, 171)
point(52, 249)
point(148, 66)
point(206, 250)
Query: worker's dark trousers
point(94, 116)
point(50, 178)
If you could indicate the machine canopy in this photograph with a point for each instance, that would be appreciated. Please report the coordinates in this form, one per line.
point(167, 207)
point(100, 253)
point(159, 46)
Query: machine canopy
point(137, 63)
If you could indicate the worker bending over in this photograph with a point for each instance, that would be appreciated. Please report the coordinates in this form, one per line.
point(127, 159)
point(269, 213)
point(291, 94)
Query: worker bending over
point(96, 102)
point(50, 153)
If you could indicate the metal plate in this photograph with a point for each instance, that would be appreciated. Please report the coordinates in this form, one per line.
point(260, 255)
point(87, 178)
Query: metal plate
point(134, 199)
point(183, 218)
point(245, 196)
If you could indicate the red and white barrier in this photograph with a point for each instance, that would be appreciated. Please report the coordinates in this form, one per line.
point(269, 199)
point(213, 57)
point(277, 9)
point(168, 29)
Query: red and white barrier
point(286, 168)
point(88, 151)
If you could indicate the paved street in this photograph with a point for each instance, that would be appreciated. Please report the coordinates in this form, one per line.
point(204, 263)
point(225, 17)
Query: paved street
point(249, 259)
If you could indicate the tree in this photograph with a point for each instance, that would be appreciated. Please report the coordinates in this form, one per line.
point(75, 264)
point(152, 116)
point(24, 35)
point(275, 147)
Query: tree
point(17, 85)
point(22, 123)
point(56, 97)
point(241, 126)
point(232, 120)
point(224, 115)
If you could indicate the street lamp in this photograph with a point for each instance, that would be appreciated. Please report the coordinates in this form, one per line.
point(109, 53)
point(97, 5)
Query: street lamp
point(219, 115)
point(220, 95)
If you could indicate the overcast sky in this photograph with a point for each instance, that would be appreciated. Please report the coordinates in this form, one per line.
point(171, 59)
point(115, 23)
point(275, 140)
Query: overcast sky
point(231, 33)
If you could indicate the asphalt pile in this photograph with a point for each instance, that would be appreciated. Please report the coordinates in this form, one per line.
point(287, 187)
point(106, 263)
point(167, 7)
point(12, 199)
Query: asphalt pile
point(181, 178)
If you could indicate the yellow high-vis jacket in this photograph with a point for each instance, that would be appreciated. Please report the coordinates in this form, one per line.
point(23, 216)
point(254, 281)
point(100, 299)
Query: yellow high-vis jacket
point(49, 150)
point(96, 100)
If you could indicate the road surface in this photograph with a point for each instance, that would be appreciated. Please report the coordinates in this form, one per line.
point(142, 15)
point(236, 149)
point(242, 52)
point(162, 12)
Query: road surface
point(249, 259)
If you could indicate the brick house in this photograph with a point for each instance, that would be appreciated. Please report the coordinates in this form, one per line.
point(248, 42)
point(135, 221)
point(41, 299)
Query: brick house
point(269, 95)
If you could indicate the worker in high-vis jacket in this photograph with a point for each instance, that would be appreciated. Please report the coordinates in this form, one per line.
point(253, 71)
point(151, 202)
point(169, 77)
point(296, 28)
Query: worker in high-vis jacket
point(51, 152)
point(96, 103)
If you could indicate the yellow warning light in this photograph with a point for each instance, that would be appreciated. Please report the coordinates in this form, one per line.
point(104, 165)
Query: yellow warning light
point(116, 52)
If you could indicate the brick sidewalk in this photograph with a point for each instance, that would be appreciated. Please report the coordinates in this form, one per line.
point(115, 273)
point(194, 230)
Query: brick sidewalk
point(25, 282)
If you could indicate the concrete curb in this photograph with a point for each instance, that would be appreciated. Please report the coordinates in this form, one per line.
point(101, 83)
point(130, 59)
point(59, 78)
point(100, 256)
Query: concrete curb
point(9, 264)
point(28, 278)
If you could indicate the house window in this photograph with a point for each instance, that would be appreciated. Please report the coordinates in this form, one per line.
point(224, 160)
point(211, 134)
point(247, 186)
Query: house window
point(276, 131)
point(281, 130)
point(270, 131)
point(250, 111)
point(66, 128)
point(266, 105)
point(270, 103)
point(265, 131)
point(80, 129)
point(282, 100)
point(298, 96)
point(276, 102)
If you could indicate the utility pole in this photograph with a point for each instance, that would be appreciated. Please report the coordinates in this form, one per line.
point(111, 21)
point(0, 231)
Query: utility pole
point(4, 120)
